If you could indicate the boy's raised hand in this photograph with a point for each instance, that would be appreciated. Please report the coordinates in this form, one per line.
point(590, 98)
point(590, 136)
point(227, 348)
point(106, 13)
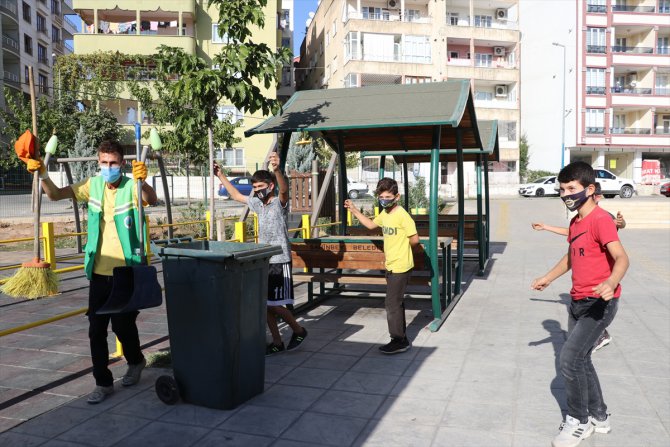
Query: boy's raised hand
point(273, 161)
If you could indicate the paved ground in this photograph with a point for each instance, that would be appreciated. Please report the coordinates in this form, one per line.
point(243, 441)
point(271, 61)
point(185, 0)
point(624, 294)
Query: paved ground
point(487, 378)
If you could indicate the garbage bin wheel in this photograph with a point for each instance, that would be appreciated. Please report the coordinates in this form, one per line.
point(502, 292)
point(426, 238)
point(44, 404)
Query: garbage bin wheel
point(166, 390)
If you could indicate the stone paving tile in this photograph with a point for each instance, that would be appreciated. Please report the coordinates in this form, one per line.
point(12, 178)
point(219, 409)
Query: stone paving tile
point(56, 422)
point(184, 413)
point(13, 439)
point(324, 429)
point(312, 377)
point(368, 383)
point(263, 421)
point(431, 389)
point(33, 405)
point(405, 410)
point(394, 365)
point(380, 433)
point(165, 435)
point(274, 372)
point(145, 404)
point(346, 403)
point(288, 397)
point(217, 438)
point(451, 436)
point(482, 416)
point(330, 361)
point(104, 430)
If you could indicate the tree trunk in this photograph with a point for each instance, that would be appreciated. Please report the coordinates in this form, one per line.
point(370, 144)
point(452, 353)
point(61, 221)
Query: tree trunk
point(188, 181)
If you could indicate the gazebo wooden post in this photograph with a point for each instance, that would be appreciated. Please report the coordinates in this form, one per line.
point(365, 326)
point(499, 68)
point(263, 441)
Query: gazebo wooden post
point(487, 207)
point(480, 226)
point(406, 182)
point(432, 224)
point(461, 211)
point(343, 183)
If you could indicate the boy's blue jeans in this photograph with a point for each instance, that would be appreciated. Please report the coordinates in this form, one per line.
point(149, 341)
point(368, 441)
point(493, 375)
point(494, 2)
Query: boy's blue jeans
point(587, 319)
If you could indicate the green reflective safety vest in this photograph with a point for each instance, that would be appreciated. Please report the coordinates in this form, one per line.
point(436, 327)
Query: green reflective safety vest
point(126, 217)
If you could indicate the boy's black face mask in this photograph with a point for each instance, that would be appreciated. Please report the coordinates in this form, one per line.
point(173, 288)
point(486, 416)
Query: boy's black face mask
point(575, 201)
point(263, 193)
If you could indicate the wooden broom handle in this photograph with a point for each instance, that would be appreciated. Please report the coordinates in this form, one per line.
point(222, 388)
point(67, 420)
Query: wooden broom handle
point(36, 175)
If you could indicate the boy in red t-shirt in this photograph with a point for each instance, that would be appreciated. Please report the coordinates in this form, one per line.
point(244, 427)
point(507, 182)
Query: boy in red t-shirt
point(598, 262)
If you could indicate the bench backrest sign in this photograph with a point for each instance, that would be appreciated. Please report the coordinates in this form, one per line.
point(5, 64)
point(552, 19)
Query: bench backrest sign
point(364, 255)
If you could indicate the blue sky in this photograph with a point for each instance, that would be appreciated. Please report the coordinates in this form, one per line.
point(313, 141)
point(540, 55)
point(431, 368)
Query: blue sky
point(302, 9)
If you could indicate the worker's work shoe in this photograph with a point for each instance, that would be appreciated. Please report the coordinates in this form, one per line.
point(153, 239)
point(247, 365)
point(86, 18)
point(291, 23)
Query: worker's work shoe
point(134, 373)
point(99, 394)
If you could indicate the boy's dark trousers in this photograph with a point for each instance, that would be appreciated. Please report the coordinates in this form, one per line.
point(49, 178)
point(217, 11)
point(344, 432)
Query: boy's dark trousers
point(587, 319)
point(123, 325)
point(396, 284)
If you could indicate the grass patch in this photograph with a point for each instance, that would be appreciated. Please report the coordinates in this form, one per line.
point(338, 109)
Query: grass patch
point(160, 359)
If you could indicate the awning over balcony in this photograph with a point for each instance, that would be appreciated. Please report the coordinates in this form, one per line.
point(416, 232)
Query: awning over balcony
point(125, 10)
point(383, 118)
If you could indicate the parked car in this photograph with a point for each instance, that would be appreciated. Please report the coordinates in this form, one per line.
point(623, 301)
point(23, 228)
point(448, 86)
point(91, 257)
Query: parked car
point(242, 184)
point(665, 189)
point(613, 185)
point(544, 186)
point(356, 189)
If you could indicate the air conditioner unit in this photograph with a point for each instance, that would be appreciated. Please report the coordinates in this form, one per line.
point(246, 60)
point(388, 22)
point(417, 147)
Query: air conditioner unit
point(501, 14)
point(499, 51)
point(501, 90)
point(392, 4)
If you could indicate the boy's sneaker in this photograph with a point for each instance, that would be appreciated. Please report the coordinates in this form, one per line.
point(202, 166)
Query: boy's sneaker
point(296, 340)
point(273, 349)
point(99, 394)
point(603, 341)
point(572, 432)
point(134, 373)
point(601, 426)
point(396, 346)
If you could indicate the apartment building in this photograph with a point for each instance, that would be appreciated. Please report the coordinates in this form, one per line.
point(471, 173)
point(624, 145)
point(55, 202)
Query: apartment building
point(623, 85)
point(357, 43)
point(141, 26)
point(34, 33)
point(286, 25)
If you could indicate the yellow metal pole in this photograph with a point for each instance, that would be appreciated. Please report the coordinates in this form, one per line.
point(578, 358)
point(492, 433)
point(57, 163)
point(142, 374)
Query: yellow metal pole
point(208, 217)
point(306, 229)
point(147, 240)
point(255, 217)
point(119, 351)
point(240, 231)
point(43, 322)
point(350, 219)
point(49, 244)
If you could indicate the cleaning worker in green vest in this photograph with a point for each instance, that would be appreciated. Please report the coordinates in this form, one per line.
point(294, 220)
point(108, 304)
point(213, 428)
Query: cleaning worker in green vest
point(112, 242)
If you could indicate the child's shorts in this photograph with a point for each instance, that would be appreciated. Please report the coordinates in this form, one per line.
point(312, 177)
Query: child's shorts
point(280, 284)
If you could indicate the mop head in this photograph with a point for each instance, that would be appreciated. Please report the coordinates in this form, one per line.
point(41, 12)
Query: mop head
point(32, 280)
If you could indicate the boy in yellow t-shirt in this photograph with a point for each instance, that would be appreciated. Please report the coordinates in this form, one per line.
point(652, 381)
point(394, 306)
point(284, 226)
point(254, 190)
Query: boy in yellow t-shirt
point(400, 236)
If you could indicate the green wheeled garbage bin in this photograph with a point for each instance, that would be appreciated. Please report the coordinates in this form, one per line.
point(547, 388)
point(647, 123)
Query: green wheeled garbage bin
point(215, 295)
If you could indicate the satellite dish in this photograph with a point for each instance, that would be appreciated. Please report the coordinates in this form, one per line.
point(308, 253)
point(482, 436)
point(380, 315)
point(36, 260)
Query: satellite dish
point(311, 14)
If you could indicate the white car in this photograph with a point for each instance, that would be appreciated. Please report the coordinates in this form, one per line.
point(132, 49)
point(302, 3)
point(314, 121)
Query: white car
point(356, 189)
point(611, 185)
point(544, 186)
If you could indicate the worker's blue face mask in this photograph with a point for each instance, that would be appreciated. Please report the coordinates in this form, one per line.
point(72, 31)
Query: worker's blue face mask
point(387, 204)
point(110, 173)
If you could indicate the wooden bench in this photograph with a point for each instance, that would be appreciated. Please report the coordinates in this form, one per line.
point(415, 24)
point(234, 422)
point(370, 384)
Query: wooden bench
point(359, 260)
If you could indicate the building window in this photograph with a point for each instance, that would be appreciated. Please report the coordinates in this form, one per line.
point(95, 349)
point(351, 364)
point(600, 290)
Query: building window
point(595, 81)
point(417, 79)
point(664, 6)
point(26, 74)
point(662, 84)
point(229, 112)
point(453, 55)
point(372, 13)
point(597, 6)
point(286, 42)
point(351, 46)
point(662, 43)
point(55, 6)
point(413, 15)
point(416, 49)
point(233, 156)
point(619, 124)
point(27, 16)
point(595, 121)
point(215, 35)
point(483, 96)
point(41, 23)
point(42, 54)
point(334, 27)
point(595, 40)
point(27, 44)
point(42, 83)
point(351, 80)
point(55, 34)
point(483, 21)
point(452, 18)
point(507, 130)
point(483, 60)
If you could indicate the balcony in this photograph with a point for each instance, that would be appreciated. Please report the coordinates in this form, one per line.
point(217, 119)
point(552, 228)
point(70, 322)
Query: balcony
point(43, 60)
point(595, 130)
point(634, 8)
point(42, 4)
point(10, 44)
point(590, 90)
point(141, 44)
point(11, 79)
point(630, 131)
point(389, 16)
point(596, 49)
point(635, 50)
point(86, 7)
point(68, 47)
point(631, 91)
point(9, 8)
point(598, 9)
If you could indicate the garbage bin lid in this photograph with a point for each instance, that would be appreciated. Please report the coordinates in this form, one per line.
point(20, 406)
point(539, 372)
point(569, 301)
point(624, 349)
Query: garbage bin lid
point(220, 251)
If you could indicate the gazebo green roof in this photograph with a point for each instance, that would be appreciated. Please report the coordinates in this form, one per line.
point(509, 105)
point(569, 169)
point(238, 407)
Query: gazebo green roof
point(379, 118)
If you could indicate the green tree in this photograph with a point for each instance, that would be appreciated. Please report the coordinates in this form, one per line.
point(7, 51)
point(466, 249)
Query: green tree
point(524, 157)
point(82, 148)
point(417, 194)
point(300, 156)
point(99, 126)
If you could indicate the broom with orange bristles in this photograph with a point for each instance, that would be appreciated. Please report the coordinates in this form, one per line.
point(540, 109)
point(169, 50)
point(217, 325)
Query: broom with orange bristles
point(35, 278)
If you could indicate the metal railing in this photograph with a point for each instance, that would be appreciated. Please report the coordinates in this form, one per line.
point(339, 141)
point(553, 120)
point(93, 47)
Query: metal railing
point(662, 91)
point(630, 131)
point(69, 21)
point(8, 76)
point(600, 49)
point(632, 8)
point(636, 50)
point(590, 90)
point(10, 7)
point(10, 42)
point(595, 130)
point(68, 46)
point(631, 91)
point(596, 8)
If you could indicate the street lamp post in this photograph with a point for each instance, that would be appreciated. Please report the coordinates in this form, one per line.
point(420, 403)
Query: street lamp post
point(563, 109)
